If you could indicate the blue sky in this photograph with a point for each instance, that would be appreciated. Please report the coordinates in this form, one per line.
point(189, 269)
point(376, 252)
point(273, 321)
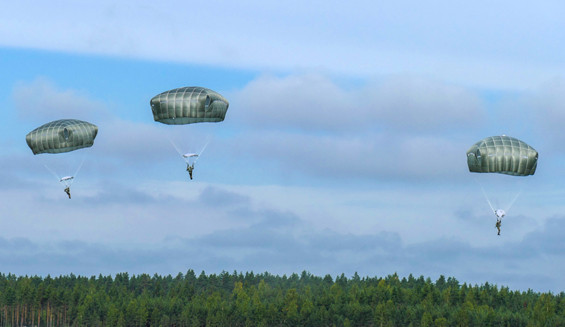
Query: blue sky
point(343, 148)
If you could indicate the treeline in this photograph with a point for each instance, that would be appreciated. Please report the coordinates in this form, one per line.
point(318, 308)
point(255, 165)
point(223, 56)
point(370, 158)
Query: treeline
point(266, 300)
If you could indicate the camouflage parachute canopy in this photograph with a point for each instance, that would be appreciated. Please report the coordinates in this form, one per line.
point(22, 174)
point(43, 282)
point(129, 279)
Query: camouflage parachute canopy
point(187, 105)
point(61, 136)
point(504, 155)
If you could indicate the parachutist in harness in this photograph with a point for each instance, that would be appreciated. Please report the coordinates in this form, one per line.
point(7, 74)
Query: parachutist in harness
point(499, 214)
point(189, 168)
point(491, 155)
point(62, 136)
point(498, 223)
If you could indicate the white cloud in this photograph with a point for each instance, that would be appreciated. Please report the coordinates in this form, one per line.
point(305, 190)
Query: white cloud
point(547, 107)
point(132, 142)
point(409, 104)
point(314, 102)
point(370, 156)
point(42, 101)
point(460, 42)
point(307, 102)
point(536, 117)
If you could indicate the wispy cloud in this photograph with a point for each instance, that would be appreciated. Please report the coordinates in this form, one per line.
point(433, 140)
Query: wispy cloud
point(315, 103)
point(41, 101)
point(462, 42)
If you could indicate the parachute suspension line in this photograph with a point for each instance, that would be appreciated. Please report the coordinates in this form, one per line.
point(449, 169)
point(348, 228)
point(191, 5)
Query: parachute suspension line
point(486, 197)
point(205, 145)
point(76, 173)
point(511, 203)
point(485, 194)
point(52, 172)
point(176, 147)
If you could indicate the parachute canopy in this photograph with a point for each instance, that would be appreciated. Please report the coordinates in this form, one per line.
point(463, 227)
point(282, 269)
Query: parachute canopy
point(61, 136)
point(188, 105)
point(503, 155)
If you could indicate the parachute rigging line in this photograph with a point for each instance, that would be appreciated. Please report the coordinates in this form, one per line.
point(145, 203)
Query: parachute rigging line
point(78, 169)
point(511, 203)
point(485, 194)
point(205, 145)
point(52, 172)
point(173, 143)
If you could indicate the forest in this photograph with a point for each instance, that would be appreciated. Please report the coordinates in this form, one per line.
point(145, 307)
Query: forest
point(250, 299)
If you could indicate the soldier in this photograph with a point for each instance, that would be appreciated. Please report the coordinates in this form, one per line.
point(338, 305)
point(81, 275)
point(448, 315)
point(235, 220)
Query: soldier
point(189, 168)
point(68, 191)
point(498, 223)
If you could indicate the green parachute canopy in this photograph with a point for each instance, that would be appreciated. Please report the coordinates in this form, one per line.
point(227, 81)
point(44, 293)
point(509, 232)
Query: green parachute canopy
point(188, 105)
point(503, 155)
point(61, 136)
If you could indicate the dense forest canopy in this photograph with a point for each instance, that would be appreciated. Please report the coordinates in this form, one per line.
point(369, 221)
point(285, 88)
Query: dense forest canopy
point(250, 299)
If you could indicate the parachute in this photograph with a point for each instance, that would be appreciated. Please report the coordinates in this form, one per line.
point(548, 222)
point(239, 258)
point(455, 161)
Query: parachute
point(60, 137)
point(189, 105)
point(503, 155)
